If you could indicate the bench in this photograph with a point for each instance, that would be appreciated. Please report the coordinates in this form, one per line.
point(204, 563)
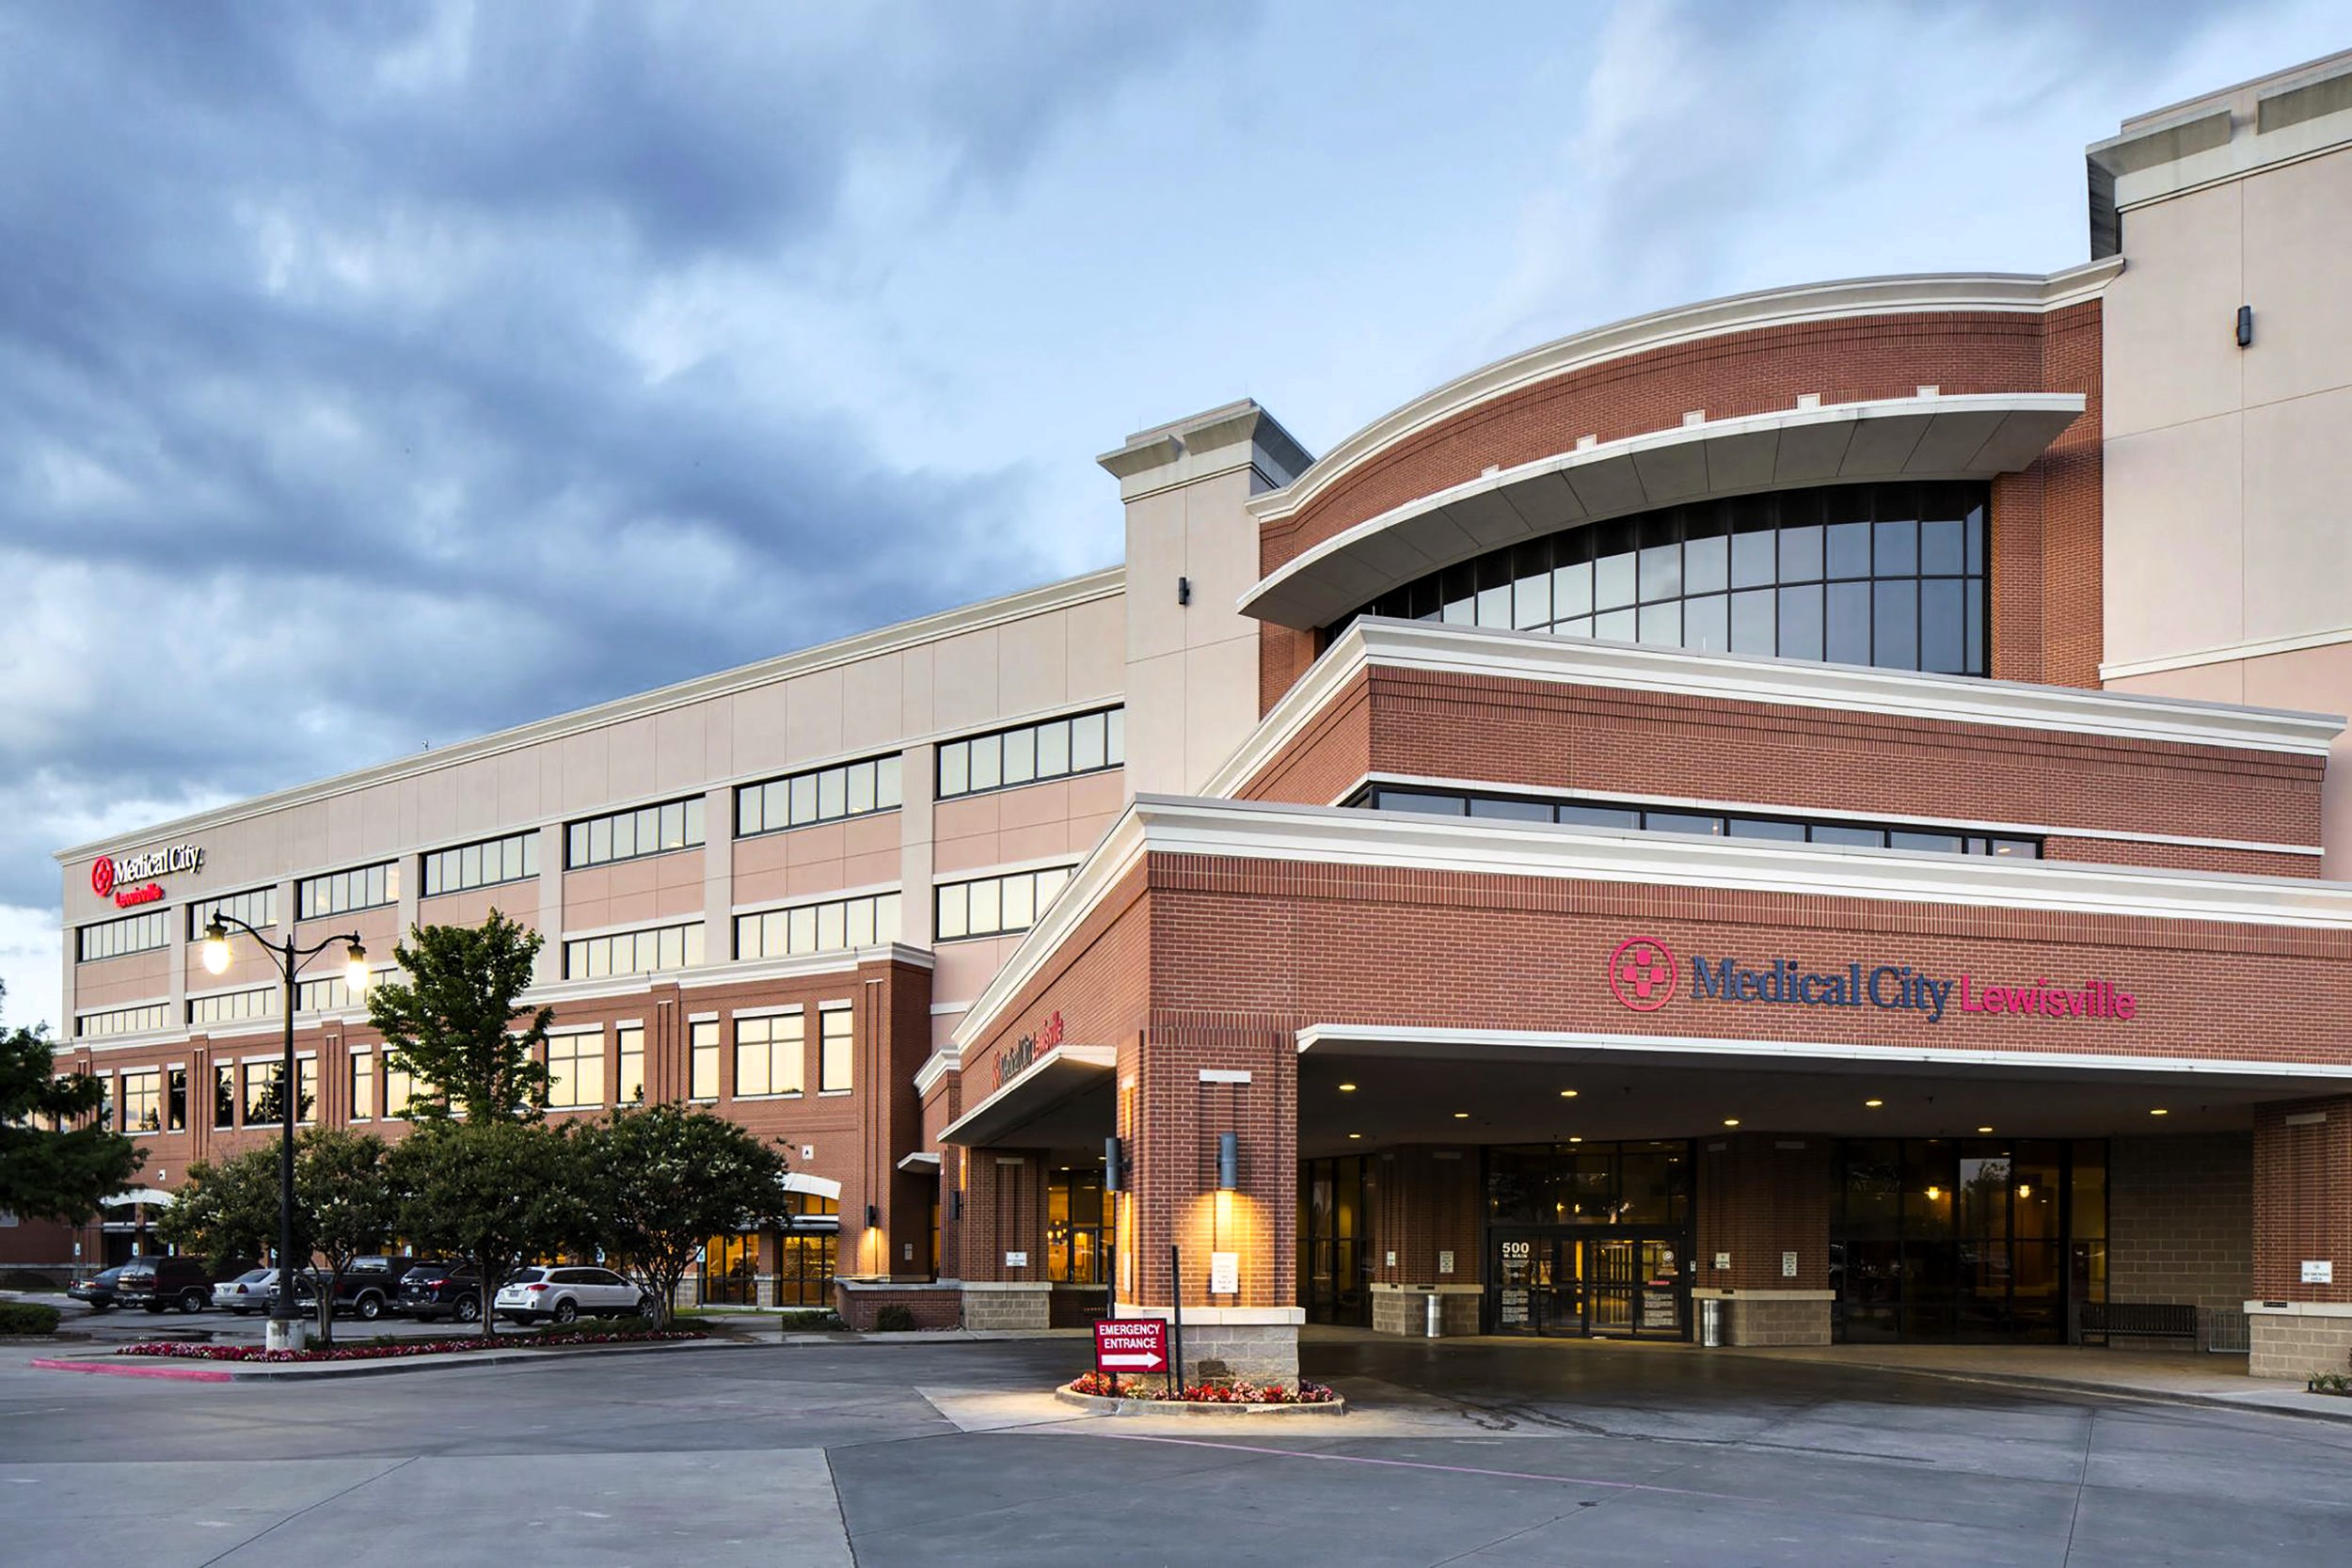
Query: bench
point(2136, 1320)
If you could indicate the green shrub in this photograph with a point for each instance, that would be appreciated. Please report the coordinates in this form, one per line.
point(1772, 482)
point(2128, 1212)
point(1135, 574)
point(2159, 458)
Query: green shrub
point(33, 1279)
point(27, 1317)
point(809, 1319)
point(894, 1319)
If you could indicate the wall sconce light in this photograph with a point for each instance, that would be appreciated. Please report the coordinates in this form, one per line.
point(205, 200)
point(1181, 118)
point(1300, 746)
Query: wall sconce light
point(1114, 1166)
point(955, 1203)
point(873, 1217)
point(1228, 1161)
point(1184, 591)
point(2246, 327)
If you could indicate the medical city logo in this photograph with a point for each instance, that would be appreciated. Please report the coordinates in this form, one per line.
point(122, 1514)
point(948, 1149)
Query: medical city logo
point(1643, 973)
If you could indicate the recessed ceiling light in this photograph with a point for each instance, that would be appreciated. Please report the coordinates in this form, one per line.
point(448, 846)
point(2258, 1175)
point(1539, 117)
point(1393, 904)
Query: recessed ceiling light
point(1874, 1105)
point(2160, 1111)
point(1568, 1094)
point(1461, 1116)
point(1984, 1130)
point(1575, 1140)
point(1347, 1088)
point(1731, 1121)
point(1355, 1134)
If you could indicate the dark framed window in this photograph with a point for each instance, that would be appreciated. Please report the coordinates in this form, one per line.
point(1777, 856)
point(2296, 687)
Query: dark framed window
point(1705, 824)
point(1031, 753)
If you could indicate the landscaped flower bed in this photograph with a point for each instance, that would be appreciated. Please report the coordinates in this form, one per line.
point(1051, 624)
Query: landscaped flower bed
point(380, 1351)
point(1098, 1386)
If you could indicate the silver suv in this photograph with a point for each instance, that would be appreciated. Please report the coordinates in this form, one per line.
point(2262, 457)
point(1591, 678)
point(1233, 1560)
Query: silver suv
point(564, 1292)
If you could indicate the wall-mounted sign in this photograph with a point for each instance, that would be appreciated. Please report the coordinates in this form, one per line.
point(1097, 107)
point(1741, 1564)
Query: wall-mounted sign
point(1645, 974)
point(1788, 1265)
point(1023, 1054)
point(132, 880)
point(1016, 1259)
point(2319, 1270)
point(1445, 1263)
point(1224, 1274)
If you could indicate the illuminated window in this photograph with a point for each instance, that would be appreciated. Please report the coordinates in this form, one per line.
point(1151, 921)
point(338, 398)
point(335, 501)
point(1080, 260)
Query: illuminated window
point(648, 951)
point(996, 906)
point(770, 1053)
point(828, 925)
point(835, 1050)
point(576, 1071)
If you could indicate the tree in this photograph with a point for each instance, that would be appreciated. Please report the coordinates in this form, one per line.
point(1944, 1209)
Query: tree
point(229, 1210)
point(449, 1022)
point(494, 1194)
point(345, 1202)
point(59, 1171)
point(661, 1180)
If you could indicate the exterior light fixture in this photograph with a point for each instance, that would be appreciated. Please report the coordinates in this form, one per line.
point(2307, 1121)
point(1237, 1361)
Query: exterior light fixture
point(2160, 1111)
point(1935, 1193)
point(1228, 1161)
point(1347, 1088)
point(1355, 1134)
point(1461, 1116)
point(355, 969)
point(2025, 1189)
point(1984, 1130)
point(1575, 1140)
point(873, 1217)
point(2246, 327)
point(1568, 1094)
point(1114, 1166)
point(1873, 1104)
point(216, 947)
point(1731, 1121)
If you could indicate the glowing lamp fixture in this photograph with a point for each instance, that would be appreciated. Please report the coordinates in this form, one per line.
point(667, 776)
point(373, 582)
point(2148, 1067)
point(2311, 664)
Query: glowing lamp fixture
point(1873, 1104)
point(216, 947)
point(355, 969)
point(1228, 1161)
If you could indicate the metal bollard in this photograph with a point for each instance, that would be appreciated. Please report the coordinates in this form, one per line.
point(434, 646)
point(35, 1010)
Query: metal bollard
point(1436, 1316)
point(1710, 1321)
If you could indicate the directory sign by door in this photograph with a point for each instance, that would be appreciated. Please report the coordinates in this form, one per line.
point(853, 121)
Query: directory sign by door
point(1514, 1301)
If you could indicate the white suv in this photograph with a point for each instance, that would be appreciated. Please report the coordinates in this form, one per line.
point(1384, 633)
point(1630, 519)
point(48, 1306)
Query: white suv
point(565, 1292)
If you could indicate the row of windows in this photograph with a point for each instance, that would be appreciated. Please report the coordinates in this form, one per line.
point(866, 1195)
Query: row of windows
point(771, 1054)
point(821, 795)
point(257, 908)
point(1052, 750)
point(132, 933)
point(498, 859)
point(996, 906)
point(119, 1020)
point(332, 993)
point(364, 887)
point(626, 835)
point(1788, 829)
point(1884, 574)
point(836, 924)
point(233, 1007)
point(648, 951)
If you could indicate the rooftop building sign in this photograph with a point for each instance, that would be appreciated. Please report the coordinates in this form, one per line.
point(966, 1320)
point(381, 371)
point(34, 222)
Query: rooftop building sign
point(131, 880)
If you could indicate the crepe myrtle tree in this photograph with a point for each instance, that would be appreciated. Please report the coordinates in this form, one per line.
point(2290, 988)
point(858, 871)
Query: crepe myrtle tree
point(227, 1210)
point(51, 1169)
point(493, 1194)
point(345, 1202)
point(451, 1023)
point(659, 1179)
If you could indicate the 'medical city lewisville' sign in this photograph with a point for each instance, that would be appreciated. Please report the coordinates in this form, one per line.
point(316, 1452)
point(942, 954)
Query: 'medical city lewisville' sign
point(1645, 974)
point(1023, 1054)
point(132, 880)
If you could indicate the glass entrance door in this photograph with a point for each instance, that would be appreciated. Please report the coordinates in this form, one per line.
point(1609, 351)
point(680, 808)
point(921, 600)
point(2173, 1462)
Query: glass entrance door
point(1577, 1283)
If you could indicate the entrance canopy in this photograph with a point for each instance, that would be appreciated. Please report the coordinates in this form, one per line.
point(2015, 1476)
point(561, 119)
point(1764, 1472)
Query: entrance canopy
point(1064, 1100)
point(1421, 1085)
point(155, 1196)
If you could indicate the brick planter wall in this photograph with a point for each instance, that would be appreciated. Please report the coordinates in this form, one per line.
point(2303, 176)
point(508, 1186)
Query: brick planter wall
point(933, 1305)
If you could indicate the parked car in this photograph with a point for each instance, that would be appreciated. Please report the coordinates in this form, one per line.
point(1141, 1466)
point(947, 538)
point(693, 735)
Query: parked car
point(156, 1283)
point(437, 1290)
point(247, 1292)
point(98, 1290)
point(365, 1290)
point(566, 1292)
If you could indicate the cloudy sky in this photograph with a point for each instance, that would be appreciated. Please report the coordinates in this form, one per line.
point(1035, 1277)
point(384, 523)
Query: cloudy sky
point(377, 375)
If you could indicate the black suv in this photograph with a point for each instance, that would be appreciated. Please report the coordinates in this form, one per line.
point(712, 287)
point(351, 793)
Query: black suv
point(436, 1289)
point(365, 1290)
point(156, 1283)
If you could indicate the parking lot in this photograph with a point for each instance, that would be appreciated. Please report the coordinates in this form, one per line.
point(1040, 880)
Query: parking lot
point(922, 1452)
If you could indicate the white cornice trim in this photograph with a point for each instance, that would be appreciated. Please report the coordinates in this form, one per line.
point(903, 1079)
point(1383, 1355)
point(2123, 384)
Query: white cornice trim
point(1325, 835)
point(1732, 677)
point(1767, 808)
point(1105, 584)
point(2023, 292)
point(1794, 1052)
point(938, 1065)
point(2230, 653)
point(1053, 1069)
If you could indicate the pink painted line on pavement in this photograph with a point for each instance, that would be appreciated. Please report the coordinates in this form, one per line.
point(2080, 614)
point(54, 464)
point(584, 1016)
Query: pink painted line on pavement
point(183, 1374)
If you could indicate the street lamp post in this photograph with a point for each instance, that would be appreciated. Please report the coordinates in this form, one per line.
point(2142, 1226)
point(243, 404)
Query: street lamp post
point(285, 1329)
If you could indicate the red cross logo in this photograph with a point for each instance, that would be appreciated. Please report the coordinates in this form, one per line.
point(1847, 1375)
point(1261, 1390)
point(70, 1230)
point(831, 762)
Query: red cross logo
point(1642, 973)
point(101, 876)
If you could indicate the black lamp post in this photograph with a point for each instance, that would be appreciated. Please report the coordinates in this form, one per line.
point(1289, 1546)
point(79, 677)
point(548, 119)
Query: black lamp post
point(284, 1333)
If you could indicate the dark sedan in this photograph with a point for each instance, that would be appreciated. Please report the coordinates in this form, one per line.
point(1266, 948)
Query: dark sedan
point(432, 1291)
point(98, 1290)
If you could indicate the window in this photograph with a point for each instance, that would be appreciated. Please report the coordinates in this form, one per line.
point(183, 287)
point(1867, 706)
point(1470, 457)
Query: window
point(105, 1116)
point(176, 1100)
point(1885, 574)
point(233, 1007)
point(224, 1097)
point(835, 1050)
point(832, 926)
point(512, 859)
point(263, 1094)
point(647, 952)
point(576, 1071)
point(400, 1087)
point(1085, 743)
point(1074, 1229)
point(363, 1086)
point(111, 938)
point(822, 795)
point(306, 1088)
point(630, 1089)
point(142, 1100)
point(626, 835)
point(805, 1262)
point(331, 993)
point(702, 1063)
point(1792, 830)
point(728, 1277)
point(258, 908)
point(770, 1055)
point(119, 1020)
point(339, 891)
point(996, 906)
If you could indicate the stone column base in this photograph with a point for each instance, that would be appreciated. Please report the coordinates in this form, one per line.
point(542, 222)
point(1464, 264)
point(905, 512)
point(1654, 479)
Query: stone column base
point(1006, 1304)
point(1230, 1344)
point(1771, 1317)
point(1404, 1308)
point(2297, 1338)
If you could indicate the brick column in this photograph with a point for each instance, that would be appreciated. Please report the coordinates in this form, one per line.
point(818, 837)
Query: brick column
point(2302, 1218)
point(1757, 1199)
point(1004, 1214)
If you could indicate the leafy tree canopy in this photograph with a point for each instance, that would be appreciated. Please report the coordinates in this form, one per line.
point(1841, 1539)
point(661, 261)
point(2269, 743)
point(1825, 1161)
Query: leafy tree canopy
point(227, 1210)
point(662, 1179)
point(494, 1194)
point(49, 1168)
point(451, 1023)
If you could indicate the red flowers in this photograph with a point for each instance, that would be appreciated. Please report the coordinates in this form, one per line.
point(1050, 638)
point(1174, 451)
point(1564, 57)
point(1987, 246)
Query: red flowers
point(406, 1347)
point(1238, 1392)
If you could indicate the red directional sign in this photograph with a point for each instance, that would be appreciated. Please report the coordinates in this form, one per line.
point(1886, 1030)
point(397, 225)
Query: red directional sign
point(1130, 1345)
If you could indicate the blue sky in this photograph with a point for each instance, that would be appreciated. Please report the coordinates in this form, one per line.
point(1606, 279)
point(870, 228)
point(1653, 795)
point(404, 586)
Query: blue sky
point(371, 376)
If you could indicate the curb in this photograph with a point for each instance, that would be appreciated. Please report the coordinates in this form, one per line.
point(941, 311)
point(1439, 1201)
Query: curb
point(1103, 1404)
point(295, 1372)
point(2121, 1391)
